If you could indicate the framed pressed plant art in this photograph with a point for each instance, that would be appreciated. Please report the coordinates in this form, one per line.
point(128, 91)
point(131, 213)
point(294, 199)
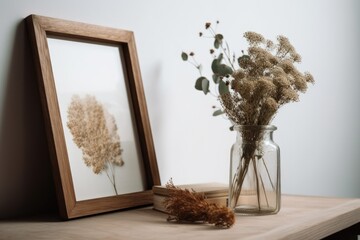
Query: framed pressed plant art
point(98, 128)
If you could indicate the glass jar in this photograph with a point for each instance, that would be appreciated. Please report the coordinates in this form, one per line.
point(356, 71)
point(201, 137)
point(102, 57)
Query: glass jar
point(254, 187)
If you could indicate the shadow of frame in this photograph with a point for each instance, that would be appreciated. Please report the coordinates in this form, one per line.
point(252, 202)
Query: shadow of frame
point(26, 183)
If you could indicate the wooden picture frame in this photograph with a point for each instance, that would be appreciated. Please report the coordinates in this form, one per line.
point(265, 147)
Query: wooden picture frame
point(57, 42)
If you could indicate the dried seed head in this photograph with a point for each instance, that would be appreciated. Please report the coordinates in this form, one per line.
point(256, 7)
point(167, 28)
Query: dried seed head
point(254, 38)
point(309, 78)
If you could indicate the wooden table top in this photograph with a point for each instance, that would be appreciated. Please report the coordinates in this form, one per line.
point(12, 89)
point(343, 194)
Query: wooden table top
point(300, 217)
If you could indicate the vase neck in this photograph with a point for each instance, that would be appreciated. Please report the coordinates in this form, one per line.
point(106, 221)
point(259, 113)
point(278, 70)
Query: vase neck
point(254, 133)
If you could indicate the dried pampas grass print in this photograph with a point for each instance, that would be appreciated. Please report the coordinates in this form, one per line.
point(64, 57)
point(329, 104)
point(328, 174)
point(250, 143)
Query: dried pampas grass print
point(94, 131)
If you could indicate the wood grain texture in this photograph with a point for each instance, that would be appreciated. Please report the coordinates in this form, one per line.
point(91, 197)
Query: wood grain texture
point(39, 29)
point(300, 218)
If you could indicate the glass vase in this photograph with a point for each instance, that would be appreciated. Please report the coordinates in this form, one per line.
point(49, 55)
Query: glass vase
point(254, 187)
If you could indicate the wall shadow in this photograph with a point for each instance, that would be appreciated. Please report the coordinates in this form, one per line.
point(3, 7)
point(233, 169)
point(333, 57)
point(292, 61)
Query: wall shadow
point(26, 183)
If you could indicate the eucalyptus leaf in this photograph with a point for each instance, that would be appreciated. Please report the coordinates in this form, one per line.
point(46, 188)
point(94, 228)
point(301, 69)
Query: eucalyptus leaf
point(219, 68)
point(202, 84)
point(198, 83)
point(243, 58)
point(218, 112)
point(224, 70)
point(219, 37)
point(217, 44)
point(205, 86)
point(216, 63)
point(223, 88)
point(215, 78)
point(184, 56)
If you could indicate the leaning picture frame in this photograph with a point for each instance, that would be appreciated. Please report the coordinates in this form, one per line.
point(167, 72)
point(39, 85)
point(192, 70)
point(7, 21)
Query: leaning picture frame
point(97, 123)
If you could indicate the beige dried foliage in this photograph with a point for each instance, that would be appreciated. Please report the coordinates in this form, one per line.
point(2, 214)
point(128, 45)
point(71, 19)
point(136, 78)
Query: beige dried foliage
point(266, 80)
point(94, 131)
point(254, 38)
point(246, 84)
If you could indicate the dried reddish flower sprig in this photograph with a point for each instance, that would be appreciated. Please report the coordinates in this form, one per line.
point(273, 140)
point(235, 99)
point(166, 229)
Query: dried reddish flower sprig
point(184, 205)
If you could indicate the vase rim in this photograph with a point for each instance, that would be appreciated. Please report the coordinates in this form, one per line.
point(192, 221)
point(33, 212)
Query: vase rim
point(258, 127)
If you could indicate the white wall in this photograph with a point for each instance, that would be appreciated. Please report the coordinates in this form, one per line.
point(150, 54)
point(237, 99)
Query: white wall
point(319, 136)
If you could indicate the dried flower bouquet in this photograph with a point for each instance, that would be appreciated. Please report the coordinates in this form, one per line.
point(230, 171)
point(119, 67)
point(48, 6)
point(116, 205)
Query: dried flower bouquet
point(251, 88)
